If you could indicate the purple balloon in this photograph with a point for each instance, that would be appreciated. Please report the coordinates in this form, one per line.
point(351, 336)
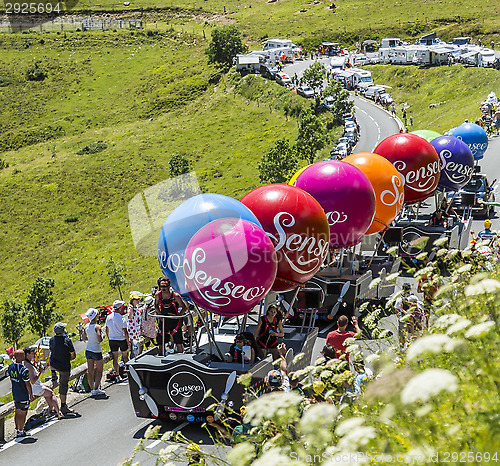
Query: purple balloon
point(229, 266)
point(456, 160)
point(347, 197)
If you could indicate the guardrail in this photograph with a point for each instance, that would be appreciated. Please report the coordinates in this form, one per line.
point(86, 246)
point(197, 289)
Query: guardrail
point(9, 408)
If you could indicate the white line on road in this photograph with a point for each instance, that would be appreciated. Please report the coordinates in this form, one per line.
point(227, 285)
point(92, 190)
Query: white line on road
point(32, 432)
point(181, 426)
point(153, 444)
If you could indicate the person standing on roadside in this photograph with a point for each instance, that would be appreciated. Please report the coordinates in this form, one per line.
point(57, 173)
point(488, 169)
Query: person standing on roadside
point(134, 321)
point(117, 333)
point(62, 352)
point(21, 392)
point(92, 334)
point(337, 338)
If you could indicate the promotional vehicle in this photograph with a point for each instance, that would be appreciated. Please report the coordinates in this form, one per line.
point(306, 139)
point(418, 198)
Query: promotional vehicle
point(469, 197)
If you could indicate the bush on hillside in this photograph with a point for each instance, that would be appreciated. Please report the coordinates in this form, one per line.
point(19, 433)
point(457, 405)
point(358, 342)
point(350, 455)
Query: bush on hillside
point(36, 73)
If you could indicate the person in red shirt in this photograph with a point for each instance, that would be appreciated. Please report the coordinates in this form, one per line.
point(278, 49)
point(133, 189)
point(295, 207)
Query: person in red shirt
point(336, 338)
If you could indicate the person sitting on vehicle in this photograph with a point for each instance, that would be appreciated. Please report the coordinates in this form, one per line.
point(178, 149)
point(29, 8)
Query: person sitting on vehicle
point(268, 330)
point(37, 387)
point(241, 351)
point(448, 210)
point(438, 219)
point(277, 380)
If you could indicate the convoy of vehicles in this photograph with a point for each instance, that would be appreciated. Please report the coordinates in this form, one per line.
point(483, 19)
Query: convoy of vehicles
point(469, 197)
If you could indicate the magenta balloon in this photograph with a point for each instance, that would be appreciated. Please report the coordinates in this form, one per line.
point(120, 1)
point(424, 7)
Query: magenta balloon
point(229, 266)
point(347, 197)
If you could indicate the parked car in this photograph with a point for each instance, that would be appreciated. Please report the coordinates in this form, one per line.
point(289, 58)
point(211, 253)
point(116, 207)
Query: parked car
point(283, 79)
point(385, 98)
point(3, 369)
point(478, 188)
point(306, 92)
point(342, 150)
point(268, 71)
point(328, 102)
point(351, 126)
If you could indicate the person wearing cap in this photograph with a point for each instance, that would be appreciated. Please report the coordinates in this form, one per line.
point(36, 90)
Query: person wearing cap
point(485, 234)
point(62, 352)
point(238, 349)
point(21, 392)
point(134, 321)
point(37, 387)
point(92, 334)
point(277, 380)
point(117, 333)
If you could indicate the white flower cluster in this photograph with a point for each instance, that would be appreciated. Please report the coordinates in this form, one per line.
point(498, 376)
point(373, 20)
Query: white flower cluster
point(432, 344)
point(427, 384)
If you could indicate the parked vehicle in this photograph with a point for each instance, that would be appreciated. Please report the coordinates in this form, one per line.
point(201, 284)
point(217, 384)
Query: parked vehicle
point(43, 344)
point(283, 79)
point(342, 149)
point(328, 102)
point(3, 368)
point(386, 98)
point(268, 71)
point(478, 188)
point(306, 92)
point(372, 91)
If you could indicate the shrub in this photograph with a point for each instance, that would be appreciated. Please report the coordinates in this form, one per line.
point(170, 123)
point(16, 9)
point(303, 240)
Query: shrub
point(92, 148)
point(36, 73)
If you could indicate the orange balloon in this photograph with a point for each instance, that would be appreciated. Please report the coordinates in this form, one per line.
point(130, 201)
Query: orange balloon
point(387, 184)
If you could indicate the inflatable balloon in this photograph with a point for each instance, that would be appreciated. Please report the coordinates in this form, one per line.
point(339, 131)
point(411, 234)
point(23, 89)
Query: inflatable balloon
point(347, 197)
point(417, 162)
point(427, 134)
point(387, 184)
point(294, 177)
point(298, 228)
point(184, 222)
point(457, 162)
point(229, 266)
point(474, 136)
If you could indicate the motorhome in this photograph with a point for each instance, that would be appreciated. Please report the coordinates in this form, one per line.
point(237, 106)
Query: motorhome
point(429, 39)
point(337, 63)
point(435, 55)
point(461, 41)
point(479, 57)
point(360, 76)
point(279, 49)
point(248, 63)
point(391, 42)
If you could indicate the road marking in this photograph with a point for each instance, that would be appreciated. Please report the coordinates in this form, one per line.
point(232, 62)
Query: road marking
point(32, 432)
point(153, 444)
point(181, 426)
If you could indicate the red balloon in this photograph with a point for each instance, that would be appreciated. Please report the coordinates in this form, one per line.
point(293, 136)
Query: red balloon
point(298, 228)
point(417, 162)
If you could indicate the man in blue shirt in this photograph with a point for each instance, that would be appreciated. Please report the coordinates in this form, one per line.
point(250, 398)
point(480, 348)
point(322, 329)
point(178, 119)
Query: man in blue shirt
point(21, 391)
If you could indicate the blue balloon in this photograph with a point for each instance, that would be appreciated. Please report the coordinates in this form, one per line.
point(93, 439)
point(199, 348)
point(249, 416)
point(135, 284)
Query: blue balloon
point(474, 136)
point(182, 224)
point(456, 160)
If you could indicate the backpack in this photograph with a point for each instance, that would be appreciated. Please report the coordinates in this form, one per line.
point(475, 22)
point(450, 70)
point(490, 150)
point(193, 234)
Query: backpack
point(81, 384)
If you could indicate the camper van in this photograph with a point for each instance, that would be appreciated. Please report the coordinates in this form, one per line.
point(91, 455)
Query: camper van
point(279, 49)
point(360, 76)
point(337, 63)
point(391, 42)
point(248, 63)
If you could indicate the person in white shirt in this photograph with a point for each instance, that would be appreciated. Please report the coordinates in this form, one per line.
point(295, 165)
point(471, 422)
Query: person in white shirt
point(117, 333)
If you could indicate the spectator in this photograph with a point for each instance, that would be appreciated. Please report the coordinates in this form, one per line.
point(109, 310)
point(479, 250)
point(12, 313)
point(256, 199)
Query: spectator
point(411, 120)
point(328, 352)
point(92, 333)
point(37, 388)
point(169, 303)
point(277, 380)
point(62, 352)
point(116, 331)
point(268, 330)
point(21, 392)
point(438, 219)
point(238, 349)
point(408, 304)
point(484, 234)
point(393, 108)
point(134, 322)
point(149, 330)
point(336, 338)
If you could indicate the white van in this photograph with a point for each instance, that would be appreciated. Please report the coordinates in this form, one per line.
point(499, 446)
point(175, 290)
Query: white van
point(372, 91)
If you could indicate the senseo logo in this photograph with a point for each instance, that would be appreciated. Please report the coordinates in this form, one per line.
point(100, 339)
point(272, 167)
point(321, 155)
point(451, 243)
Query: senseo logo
point(213, 289)
point(422, 179)
point(389, 197)
point(335, 217)
point(172, 262)
point(311, 251)
point(186, 390)
point(457, 173)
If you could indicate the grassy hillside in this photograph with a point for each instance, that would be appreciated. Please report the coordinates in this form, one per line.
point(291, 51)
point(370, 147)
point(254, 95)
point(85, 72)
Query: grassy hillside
point(144, 95)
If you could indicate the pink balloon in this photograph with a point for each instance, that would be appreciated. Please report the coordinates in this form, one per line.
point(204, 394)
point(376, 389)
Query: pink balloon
point(229, 266)
point(347, 197)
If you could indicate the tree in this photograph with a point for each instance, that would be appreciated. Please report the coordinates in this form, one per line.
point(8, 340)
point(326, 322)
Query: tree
point(178, 164)
point(279, 164)
point(341, 104)
point(40, 306)
point(226, 43)
point(311, 135)
point(116, 274)
point(313, 76)
point(12, 322)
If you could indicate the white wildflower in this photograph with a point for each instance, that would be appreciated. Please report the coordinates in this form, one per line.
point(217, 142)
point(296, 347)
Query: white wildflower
point(441, 253)
point(276, 457)
point(451, 254)
point(465, 268)
point(392, 277)
point(276, 406)
point(479, 330)
point(298, 358)
point(393, 251)
point(484, 286)
point(241, 454)
point(446, 320)
point(424, 272)
point(357, 438)
point(458, 326)
point(441, 241)
point(319, 416)
point(466, 252)
point(349, 424)
point(166, 454)
point(375, 282)
point(427, 384)
point(422, 256)
point(431, 344)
